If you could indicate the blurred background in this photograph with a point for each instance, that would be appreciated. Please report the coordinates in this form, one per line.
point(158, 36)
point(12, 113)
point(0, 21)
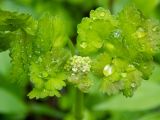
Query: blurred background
point(14, 103)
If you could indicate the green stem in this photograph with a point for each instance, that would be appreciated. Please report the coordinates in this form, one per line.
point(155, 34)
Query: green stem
point(78, 106)
point(111, 3)
point(71, 46)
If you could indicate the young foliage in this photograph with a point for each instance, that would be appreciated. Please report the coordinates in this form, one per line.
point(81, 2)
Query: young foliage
point(16, 31)
point(49, 56)
point(121, 48)
point(117, 49)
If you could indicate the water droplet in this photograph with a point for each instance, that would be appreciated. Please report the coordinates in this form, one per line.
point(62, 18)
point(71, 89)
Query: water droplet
point(83, 45)
point(107, 71)
point(140, 33)
point(133, 85)
point(102, 14)
point(117, 33)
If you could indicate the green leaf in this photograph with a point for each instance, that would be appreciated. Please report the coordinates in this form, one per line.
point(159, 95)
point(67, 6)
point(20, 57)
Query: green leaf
point(4, 41)
point(92, 31)
point(11, 22)
point(5, 63)
point(146, 97)
point(47, 73)
point(147, 6)
point(42, 109)
point(10, 104)
point(51, 32)
point(121, 46)
point(21, 54)
point(151, 116)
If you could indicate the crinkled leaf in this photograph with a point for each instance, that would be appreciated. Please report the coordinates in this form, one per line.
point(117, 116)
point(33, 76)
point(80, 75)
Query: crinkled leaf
point(93, 31)
point(47, 74)
point(21, 53)
point(121, 47)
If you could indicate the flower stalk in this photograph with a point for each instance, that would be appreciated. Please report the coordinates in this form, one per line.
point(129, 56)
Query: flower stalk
point(78, 105)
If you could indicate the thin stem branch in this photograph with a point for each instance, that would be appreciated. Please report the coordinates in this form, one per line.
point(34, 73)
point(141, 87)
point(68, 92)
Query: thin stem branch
point(111, 2)
point(71, 46)
point(78, 107)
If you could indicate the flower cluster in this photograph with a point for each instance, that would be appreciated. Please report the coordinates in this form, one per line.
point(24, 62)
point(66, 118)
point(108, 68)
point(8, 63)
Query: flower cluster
point(78, 64)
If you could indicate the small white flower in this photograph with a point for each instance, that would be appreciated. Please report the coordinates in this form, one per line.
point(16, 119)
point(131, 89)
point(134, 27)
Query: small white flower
point(78, 65)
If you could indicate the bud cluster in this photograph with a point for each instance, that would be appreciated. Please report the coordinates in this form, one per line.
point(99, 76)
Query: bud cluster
point(78, 65)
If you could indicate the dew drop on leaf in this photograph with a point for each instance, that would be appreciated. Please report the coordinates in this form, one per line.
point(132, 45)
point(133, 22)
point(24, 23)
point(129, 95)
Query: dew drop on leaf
point(117, 33)
point(83, 45)
point(107, 71)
